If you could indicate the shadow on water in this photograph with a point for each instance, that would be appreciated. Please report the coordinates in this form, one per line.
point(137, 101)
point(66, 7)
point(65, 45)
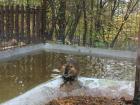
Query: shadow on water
point(16, 77)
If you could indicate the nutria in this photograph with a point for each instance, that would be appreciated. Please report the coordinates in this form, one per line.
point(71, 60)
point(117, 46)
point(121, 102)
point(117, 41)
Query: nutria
point(70, 76)
point(71, 71)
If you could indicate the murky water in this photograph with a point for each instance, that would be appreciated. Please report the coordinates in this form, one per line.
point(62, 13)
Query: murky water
point(16, 77)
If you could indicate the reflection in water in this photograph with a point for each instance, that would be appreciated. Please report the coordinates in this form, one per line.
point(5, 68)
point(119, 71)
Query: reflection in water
point(19, 76)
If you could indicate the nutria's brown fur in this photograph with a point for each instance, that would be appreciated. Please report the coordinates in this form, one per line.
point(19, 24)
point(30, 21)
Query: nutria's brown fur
point(71, 71)
point(70, 74)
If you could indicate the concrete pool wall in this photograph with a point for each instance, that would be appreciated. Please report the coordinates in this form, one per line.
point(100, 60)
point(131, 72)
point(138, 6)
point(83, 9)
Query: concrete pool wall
point(45, 92)
point(17, 53)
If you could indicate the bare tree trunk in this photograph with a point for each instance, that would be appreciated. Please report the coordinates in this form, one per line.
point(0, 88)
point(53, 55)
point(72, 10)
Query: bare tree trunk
point(75, 22)
point(91, 24)
point(43, 30)
point(62, 20)
point(85, 23)
point(98, 20)
point(53, 19)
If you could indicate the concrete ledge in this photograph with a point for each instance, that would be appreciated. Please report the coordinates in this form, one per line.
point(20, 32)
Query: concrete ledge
point(45, 92)
point(16, 53)
point(97, 52)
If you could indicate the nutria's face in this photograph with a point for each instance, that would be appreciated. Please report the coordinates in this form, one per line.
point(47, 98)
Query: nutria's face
point(71, 69)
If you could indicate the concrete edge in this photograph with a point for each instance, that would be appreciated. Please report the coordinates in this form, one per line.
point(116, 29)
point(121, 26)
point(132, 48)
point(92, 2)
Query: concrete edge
point(45, 92)
point(16, 53)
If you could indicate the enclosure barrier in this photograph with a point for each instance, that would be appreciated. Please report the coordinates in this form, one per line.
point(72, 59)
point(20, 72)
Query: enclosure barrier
point(21, 25)
point(18, 52)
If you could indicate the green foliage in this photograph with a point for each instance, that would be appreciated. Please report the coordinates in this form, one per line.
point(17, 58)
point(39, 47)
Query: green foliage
point(20, 2)
point(104, 20)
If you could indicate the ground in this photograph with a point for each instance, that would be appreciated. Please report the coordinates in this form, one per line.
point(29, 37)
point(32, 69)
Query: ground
point(87, 100)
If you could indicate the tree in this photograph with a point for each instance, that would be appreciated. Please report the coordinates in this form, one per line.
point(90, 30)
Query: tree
point(73, 22)
point(62, 20)
point(85, 22)
point(130, 8)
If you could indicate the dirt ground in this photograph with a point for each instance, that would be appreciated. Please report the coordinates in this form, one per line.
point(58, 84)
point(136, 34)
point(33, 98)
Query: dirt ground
point(87, 100)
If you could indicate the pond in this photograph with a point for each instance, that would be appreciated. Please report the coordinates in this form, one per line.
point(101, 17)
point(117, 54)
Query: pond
point(16, 77)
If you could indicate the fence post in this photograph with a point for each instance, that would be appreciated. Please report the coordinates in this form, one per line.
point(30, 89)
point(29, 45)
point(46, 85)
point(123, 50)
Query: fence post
point(1, 23)
point(17, 22)
point(22, 22)
point(28, 23)
point(33, 23)
point(11, 24)
point(136, 100)
point(7, 12)
point(38, 23)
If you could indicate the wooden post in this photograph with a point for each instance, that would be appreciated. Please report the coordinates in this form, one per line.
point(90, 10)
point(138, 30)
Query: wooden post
point(22, 22)
point(36, 31)
point(17, 22)
point(38, 23)
point(136, 100)
point(28, 23)
point(7, 22)
point(11, 21)
point(33, 23)
point(1, 23)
